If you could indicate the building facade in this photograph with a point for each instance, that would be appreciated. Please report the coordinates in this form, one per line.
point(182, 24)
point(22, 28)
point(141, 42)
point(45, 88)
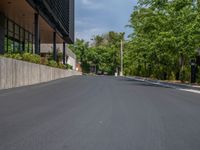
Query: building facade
point(26, 24)
point(69, 57)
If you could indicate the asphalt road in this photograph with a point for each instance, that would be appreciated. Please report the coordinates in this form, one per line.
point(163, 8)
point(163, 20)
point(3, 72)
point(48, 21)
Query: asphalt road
point(99, 113)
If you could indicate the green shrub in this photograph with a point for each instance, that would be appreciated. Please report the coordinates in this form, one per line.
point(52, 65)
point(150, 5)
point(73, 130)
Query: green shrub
point(44, 61)
point(31, 58)
point(14, 56)
point(53, 63)
point(37, 59)
point(62, 66)
point(24, 56)
point(17, 56)
point(185, 74)
point(60, 56)
point(69, 66)
point(172, 76)
point(7, 55)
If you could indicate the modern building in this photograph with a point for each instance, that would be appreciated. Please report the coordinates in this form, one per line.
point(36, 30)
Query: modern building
point(26, 24)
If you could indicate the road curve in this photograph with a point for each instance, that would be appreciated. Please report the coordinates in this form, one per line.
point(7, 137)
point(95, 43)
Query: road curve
point(99, 113)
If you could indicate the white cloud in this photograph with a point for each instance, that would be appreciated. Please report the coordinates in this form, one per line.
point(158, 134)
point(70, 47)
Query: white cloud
point(87, 34)
point(91, 4)
point(87, 27)
point(84, 22)
point(100, 16)
point(86, 2)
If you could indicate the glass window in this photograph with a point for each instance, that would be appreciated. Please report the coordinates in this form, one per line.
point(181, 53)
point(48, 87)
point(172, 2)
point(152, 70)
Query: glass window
point(26, 35)
point(16, 29)
point(21, 34)
point(5, 23)
point(10, 34)
point(30, 42)
point(10, 26)
point(6, 27)
point(16, 46)
point(16, 32)
point(26, 46)
point(5, 44)
point(10, 46)
point(21, 47)
point(30, 46)
point(30, 37)
point(17, 39)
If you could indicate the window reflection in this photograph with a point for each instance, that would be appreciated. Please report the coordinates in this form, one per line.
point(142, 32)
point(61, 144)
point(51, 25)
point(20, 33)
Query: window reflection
point(17, 39)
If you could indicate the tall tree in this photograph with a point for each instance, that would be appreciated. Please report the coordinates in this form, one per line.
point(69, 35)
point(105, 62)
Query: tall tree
point(165, 36)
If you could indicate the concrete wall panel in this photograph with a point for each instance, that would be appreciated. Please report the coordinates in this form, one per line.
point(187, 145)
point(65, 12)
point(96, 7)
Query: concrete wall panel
point(15, 73)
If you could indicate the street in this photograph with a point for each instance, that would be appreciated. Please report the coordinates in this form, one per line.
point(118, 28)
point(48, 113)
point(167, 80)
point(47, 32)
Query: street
point(99, 113)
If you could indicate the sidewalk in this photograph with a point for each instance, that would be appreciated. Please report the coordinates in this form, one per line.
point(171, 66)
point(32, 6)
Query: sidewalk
point(178, 86)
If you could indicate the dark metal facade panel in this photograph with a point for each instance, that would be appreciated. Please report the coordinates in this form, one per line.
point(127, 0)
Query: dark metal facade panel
point(2, 33)
point(59, 14)
point(71, 19)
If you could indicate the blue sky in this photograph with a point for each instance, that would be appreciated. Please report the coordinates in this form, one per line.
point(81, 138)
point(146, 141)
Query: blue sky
point(100, 16)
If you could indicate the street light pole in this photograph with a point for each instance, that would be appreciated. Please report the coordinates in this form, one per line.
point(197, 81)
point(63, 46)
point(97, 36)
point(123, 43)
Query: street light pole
point(122, 65)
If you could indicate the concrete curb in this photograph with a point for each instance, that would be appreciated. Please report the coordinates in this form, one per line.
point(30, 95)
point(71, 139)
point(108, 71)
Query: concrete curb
point(181, 87)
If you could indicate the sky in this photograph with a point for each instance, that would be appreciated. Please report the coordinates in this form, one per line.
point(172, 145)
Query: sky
point(94, 17)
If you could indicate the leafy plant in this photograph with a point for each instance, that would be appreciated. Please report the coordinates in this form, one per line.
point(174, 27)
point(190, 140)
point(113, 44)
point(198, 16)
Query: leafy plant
point(67, 66)
point(62, 66)
point(14, 56)
point(165, 37)
point(31, 58)
point(53, 63)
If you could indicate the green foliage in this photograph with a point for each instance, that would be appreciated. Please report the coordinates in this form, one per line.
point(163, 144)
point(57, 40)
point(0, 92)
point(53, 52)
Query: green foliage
point(60, 56)
point(44, 61)
point(31, 58)
point(52, 63)
point(185, 74)
point(67, 66)
point(61, 66)
point(37, 59)
point(164, 39)
point(103, 53)
point(14, 56)
point(80, 48)
point(25, 57)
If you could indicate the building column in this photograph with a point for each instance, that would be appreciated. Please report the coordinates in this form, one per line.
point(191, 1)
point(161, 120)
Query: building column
point(64, 53)
point(54, 47)
point(2, 33)
point(39, 46)
point(37, 35)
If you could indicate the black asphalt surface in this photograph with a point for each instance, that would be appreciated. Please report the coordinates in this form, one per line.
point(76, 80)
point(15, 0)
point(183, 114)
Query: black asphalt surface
point(99, 113)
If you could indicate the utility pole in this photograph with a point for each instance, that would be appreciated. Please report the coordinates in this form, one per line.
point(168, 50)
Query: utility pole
point(122, 54)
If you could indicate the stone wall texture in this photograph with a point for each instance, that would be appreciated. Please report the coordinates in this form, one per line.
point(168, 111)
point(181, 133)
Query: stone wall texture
point(15, 73)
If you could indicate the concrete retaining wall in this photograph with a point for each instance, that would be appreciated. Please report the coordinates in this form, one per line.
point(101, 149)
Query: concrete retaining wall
point(15, 73)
